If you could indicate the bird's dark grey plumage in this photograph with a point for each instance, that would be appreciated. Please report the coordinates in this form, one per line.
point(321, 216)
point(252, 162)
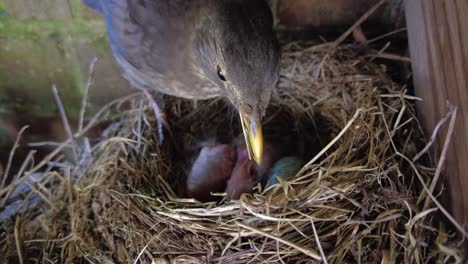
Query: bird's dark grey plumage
point(177, 47)
point(198, 49)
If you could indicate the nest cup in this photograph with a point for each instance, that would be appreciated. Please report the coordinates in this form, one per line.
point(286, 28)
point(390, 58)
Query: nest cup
point(358, 199)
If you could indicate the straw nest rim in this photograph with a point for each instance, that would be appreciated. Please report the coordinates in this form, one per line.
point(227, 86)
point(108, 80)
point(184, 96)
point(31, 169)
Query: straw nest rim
point(360, 198)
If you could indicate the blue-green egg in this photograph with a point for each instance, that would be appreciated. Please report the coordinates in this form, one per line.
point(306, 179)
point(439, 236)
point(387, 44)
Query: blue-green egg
point(285, 169)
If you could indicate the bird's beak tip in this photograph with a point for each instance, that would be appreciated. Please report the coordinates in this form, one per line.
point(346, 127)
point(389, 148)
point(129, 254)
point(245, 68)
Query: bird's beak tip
point(252, 129)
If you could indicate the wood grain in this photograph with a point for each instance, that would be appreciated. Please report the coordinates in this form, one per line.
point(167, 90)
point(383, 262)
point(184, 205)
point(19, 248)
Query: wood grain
point(438, 38)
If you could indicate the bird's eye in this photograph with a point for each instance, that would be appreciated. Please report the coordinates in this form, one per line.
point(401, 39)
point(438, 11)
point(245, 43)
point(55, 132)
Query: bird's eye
point(221, 73)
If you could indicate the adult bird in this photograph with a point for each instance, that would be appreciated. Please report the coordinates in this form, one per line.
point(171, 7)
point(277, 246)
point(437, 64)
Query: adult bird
point(199, 49)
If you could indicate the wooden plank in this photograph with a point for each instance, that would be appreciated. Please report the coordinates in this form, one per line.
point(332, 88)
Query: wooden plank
point(439, 49)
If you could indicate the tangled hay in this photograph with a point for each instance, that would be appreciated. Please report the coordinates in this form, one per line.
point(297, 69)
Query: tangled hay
point(359, 199)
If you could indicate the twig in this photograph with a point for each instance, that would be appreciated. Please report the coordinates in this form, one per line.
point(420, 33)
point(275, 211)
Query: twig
point(84, 100)
point(407, 97)
point(103, 110)
point(26, 162)
point(390, 56)
point(88, 126)
point(11, 156)
point(434, 135)
point(319, 245)
point(144, 248)
point(44, 144)
point(18, 239)
point(381, 51)
point(387, 35)
point(397, 122)
point(66, 124)
point(43, 195)
point(160, 116)
point(15, 181)
point(48, 158)
point(443, 155)
point(309, 252)
point(326, 148)
point(358, 22)
point(442, 209)
point(351, 200)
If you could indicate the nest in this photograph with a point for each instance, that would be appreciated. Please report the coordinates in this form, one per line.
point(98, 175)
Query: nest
point(361, 198)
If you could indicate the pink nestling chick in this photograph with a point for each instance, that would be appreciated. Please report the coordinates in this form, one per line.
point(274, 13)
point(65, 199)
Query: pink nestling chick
point(210, 172)
point(246, 173)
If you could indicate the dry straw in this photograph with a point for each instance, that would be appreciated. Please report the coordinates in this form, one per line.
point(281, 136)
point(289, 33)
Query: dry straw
point(362, 198)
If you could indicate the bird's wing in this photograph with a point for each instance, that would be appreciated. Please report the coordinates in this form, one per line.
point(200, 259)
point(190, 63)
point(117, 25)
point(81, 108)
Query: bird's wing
point(129, 32)
point(151, 40)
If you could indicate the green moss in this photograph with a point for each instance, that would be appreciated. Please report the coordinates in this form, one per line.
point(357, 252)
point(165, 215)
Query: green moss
point(3, 12)
point(46, 109)
point(41, 52)
point(31, 28)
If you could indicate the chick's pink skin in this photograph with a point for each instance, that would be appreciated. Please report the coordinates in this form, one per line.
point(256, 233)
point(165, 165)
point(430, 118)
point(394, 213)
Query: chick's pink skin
point(210, 172)
point(247, 173)
point(242, 177)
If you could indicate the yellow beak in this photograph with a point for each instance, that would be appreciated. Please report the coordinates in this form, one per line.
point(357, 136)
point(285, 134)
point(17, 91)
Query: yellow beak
point(252, 128)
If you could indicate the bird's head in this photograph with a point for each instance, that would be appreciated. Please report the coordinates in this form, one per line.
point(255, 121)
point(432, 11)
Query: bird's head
point(239, 52)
